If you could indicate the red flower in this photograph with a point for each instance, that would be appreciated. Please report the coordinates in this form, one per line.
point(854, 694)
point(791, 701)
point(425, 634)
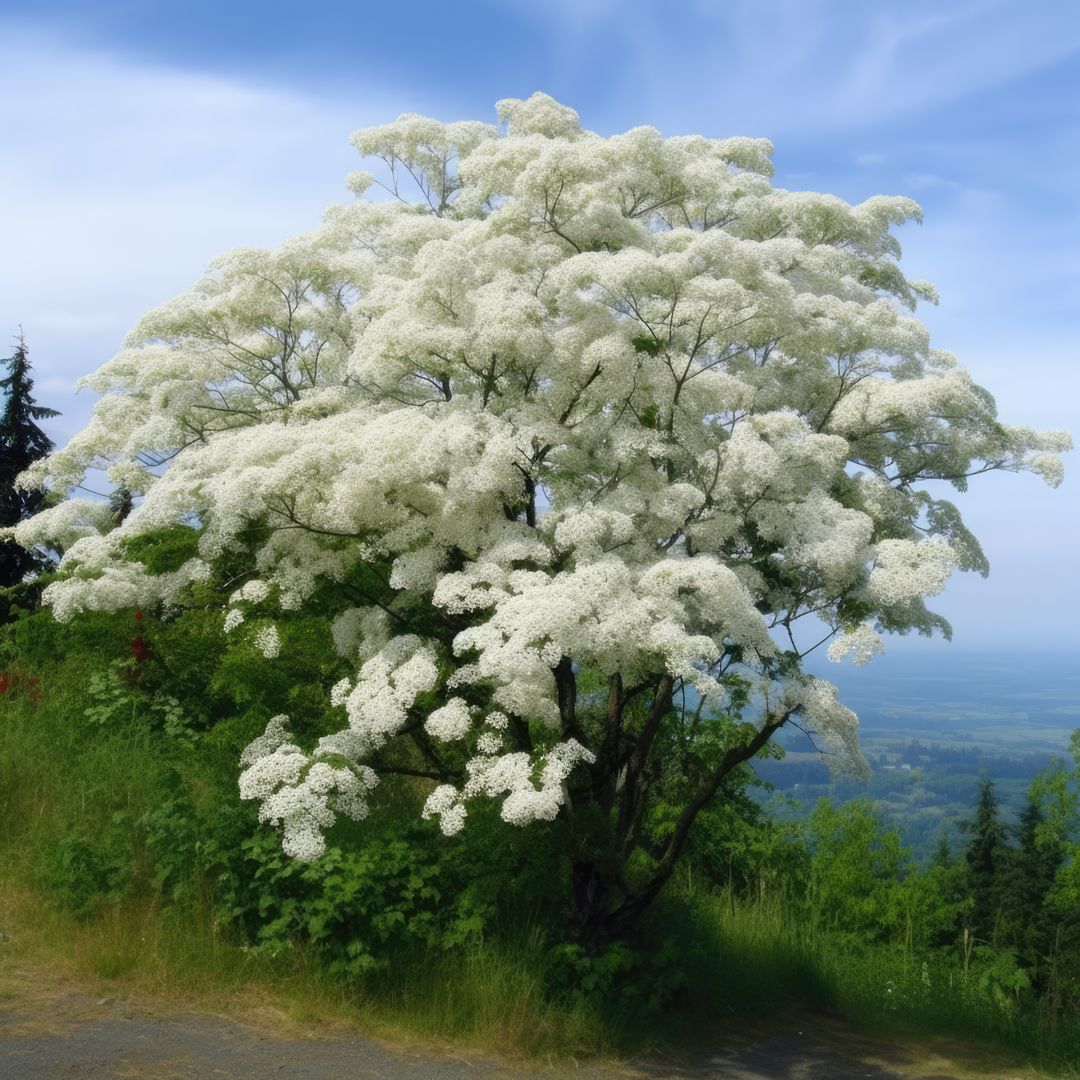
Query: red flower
point(140, 650)
point(15, 681)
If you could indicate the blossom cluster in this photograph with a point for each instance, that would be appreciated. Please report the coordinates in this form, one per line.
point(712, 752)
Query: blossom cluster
point(534, 791)
point(303, 793)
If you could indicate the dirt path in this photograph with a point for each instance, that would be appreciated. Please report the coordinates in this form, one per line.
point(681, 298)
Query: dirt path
point(63, 1031)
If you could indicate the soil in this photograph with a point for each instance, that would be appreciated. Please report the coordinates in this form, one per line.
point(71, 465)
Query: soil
point(52, 1028)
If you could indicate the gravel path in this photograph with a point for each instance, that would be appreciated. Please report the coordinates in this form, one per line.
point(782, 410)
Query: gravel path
point(73, 1036)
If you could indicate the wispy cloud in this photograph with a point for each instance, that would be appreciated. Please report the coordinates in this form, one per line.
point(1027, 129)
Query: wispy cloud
point(120, 180)
point(930, 54)
point(780, 67)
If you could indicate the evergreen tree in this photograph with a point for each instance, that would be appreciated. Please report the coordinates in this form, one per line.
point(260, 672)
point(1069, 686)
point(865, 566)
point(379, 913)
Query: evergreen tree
point(985, 855)
point(942, 857)
point(22, 442)
point(1032, 871)
point(942, 890)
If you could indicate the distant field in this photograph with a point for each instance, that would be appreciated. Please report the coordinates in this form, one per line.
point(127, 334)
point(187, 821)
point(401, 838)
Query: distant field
point(934, 721)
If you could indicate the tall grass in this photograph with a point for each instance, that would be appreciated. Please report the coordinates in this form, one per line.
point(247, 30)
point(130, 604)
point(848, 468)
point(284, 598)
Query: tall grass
point(767, 951)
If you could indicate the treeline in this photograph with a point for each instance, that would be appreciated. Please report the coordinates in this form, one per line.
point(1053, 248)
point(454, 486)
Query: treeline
point(963, 759)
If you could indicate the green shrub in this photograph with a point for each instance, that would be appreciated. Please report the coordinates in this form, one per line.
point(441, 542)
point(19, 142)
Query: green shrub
point(80, 876)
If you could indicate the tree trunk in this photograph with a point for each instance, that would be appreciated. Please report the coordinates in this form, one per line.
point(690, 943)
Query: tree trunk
point(594, 895)
point(604, 908)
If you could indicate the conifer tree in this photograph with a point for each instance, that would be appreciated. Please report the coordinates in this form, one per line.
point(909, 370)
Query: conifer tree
point(1031, 874)
point(22, 443)
point(944, 891)
point(985, 855)
point(942, 856)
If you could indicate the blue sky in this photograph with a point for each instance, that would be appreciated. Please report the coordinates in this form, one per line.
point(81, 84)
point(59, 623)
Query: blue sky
point(139, 140)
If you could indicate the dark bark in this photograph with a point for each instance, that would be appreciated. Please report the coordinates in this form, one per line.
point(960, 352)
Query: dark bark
point(566, 688)
point(629, 783)
point(604, 907)
point(624, 917)
point(596, 891)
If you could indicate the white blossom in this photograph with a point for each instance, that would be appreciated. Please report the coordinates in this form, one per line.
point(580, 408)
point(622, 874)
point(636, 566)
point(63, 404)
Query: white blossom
point(489, 743)
point(253, 591)
point(268, 642)
point(862, 642)
point(832, 724)
point(449, 722)
point(274, 736)
point(386, 687)
point(304, 793)
point(339, 692)
point(444, 804)
point(906, 570)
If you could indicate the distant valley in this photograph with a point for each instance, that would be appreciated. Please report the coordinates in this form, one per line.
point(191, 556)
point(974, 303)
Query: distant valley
point(933, 722)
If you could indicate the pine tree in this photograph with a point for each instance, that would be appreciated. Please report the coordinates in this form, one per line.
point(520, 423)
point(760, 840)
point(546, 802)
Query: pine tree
point(942, 857)
point(22, 442)
point(944, 884)
point(985, 856)
point(1031, 875)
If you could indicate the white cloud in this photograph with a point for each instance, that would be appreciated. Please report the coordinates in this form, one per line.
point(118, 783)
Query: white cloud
point(120, 181)
point(924, 181)
point(929, 54)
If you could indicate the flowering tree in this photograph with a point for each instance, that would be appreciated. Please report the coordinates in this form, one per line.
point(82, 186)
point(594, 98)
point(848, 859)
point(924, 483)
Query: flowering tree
point(583, 431)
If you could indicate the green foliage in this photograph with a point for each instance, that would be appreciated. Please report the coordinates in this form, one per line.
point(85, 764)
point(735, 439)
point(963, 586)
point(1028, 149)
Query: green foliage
point(635, 980)
point(179, 845)
point(1000, 978)
point(356, 908)
point(857, 872)
point(165, 550)
point(986, 860)
point(80, 876)
point(114, 697)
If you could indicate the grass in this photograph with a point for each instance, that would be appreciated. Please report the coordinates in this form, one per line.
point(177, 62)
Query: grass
point(57, 783)
point(486, 999)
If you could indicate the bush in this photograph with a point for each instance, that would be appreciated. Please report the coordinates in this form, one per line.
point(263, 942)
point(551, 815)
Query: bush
point(80, 876)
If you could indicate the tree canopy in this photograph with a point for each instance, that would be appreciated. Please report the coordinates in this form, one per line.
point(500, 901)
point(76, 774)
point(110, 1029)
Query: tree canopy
point(581, 432)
